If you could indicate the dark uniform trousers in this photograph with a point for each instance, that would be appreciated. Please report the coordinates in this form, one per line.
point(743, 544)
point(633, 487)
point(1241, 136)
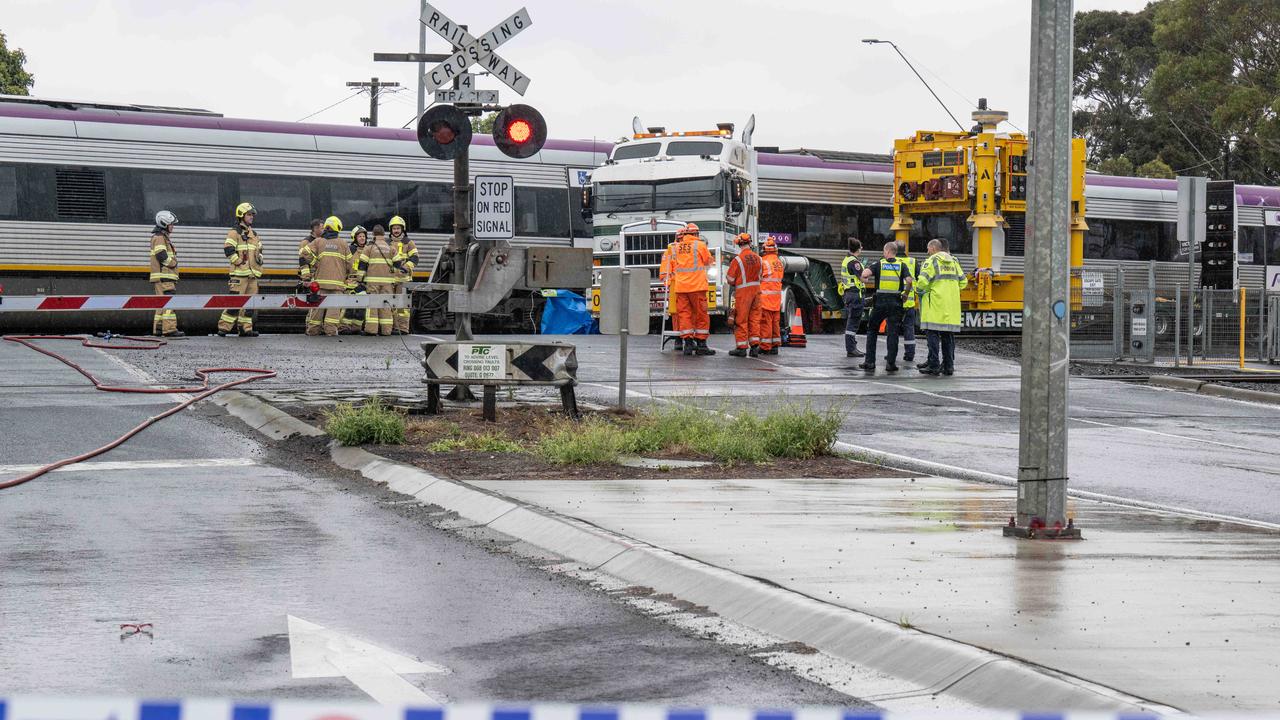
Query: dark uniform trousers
point(886, 307)
point(852, 318)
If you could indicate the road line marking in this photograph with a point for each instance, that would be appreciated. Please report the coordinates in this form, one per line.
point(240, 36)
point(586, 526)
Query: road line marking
point(136, 465)
point(316, 651)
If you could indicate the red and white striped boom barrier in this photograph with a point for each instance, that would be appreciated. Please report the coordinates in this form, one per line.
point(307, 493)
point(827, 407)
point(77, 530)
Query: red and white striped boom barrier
point(81, 303)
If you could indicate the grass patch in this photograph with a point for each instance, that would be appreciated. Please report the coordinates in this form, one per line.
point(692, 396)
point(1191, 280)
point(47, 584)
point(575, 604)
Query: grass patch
point(798, 433)
point(490, 442)
point(591, 441)
point(373, 422)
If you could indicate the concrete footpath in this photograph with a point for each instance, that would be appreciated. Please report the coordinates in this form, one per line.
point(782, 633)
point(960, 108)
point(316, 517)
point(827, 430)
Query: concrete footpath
point(1174, 611)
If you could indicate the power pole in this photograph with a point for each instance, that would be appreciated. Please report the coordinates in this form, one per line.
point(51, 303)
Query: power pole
point(1046, 324)
point(373, 86)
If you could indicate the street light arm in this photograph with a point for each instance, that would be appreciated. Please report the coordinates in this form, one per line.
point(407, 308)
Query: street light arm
point(890, 43)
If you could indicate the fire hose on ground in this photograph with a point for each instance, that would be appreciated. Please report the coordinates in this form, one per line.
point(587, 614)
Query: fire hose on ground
point(139, 343)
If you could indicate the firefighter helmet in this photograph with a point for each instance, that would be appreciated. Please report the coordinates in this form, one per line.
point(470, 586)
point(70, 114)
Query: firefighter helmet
point(397, 220)
point(164, 219)
point(243, 209)
point(333, 223)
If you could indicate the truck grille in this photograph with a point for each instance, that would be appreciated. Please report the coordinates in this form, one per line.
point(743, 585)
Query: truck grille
point(649, 242)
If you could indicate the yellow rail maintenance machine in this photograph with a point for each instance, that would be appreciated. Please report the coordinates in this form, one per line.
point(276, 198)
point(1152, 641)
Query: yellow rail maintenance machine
point(981, 176)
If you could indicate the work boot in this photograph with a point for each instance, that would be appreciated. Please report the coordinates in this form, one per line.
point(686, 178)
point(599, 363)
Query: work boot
point(891, 368)
point(738, 352)
point(855, 353)
point(770, 351)
point(689, 346)
point(948, 372)
point(922, 366)
point(754, 351)
point(222, 333)
point(868, 367)
point(926, 370)
point(702, 349)
point(248, 333)
point(175, 334)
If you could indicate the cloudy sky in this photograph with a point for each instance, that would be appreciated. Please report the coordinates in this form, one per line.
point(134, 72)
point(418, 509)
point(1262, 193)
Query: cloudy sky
point(686, 64)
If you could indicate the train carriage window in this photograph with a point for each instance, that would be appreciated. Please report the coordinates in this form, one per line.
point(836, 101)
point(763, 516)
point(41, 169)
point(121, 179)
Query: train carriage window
point(1273, 245)
point(81, 194)
point(363, 202)
point(280, 202)
point(435, 208)
point(8, 192)
point(541, 212)
point(1252, 247)
point(193, 198)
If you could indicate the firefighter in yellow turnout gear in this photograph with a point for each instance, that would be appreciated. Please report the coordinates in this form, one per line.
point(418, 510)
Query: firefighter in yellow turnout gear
point(353, 318)
point(164, 273)
point(244, 253)
point(405, 252)
point(375, 269)
point(325, 261)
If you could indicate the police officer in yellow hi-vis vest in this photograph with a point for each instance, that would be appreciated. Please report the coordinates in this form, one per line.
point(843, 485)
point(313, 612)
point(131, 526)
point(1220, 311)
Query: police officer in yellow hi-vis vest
point(941, 280)
point(910, 311)
point(892, 281)
point(244, 253)
point(850, 288)
point(164, 273)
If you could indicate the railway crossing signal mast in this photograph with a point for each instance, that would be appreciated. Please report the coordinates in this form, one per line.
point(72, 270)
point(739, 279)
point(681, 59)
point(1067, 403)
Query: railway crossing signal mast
point(444, 132)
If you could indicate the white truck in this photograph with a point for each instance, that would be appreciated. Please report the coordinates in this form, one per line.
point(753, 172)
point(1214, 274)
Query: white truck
point(655, 182)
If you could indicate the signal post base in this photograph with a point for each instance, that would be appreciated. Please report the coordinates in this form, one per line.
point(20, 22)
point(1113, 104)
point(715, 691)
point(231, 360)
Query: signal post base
point(1070, 532)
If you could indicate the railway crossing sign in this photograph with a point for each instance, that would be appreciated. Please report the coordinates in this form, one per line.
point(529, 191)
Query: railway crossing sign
point(475, 50)
point(466, 93)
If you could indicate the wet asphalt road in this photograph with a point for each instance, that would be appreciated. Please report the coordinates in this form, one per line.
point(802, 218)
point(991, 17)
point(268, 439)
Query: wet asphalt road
point(214, 538)
point(1142, 443)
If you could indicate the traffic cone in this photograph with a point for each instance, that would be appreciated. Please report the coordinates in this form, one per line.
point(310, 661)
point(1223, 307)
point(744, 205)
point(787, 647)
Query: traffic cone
point(796, 337)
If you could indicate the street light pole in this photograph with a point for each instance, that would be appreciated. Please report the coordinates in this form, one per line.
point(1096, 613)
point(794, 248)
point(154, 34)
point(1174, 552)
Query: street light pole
point(890, 43)
point(1046, 314)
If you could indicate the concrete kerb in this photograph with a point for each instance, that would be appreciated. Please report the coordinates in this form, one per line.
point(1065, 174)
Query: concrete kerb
point(926, 664)
point(1213, 389)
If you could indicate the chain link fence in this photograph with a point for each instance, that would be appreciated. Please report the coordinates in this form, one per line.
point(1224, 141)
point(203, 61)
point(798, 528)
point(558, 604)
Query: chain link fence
point(1123, 314)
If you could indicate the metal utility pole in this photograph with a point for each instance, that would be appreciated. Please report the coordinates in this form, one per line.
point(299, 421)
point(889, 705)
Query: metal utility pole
point(1046, 324)
point(373, 86)
point(422, 65)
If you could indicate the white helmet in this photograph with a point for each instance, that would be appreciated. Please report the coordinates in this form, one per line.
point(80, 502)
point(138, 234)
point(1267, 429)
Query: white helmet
point(164, 219)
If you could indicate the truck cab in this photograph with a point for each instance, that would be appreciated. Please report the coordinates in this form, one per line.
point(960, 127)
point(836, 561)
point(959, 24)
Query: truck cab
point(654, 183)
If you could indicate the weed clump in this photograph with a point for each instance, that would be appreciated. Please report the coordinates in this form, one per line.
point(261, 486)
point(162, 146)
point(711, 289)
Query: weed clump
point(373, 422)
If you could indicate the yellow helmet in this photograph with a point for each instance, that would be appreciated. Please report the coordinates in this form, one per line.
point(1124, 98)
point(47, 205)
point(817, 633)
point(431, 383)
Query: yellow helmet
point(333, 223)
point(243, 209)
point(397, 220)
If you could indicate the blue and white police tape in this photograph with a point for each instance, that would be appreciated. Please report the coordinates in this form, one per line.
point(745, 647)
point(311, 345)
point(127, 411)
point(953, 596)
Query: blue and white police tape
point(43, 708)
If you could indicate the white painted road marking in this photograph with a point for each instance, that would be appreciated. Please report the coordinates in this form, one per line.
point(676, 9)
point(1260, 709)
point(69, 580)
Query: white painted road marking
point(315, 651)
point(135, 465)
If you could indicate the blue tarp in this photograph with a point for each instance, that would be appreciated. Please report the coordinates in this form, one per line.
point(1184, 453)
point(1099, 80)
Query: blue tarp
point(566, 314)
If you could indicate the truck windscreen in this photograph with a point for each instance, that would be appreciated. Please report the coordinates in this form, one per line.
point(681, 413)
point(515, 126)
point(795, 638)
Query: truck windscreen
point(705, 192)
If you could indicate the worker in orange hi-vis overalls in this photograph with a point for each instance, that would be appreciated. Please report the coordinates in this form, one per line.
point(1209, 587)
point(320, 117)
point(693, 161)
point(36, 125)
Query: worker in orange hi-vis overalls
point(770, 298)
point(690, 260)
point(744, 276)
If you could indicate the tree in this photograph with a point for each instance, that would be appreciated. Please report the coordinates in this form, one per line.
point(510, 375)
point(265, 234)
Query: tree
point(1119, 165)
point(1218, 79)
point(1113, 62)
point(484, 124)
point(1156, 168)
point(14, 79)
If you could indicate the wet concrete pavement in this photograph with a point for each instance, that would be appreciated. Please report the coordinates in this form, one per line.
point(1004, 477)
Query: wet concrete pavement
point(214, 538)
point(1178, 611)
point(1149, 444)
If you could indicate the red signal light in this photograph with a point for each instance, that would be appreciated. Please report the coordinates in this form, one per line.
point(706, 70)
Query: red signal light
point(520, 131)
point(443, 133)
point(314, 287)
